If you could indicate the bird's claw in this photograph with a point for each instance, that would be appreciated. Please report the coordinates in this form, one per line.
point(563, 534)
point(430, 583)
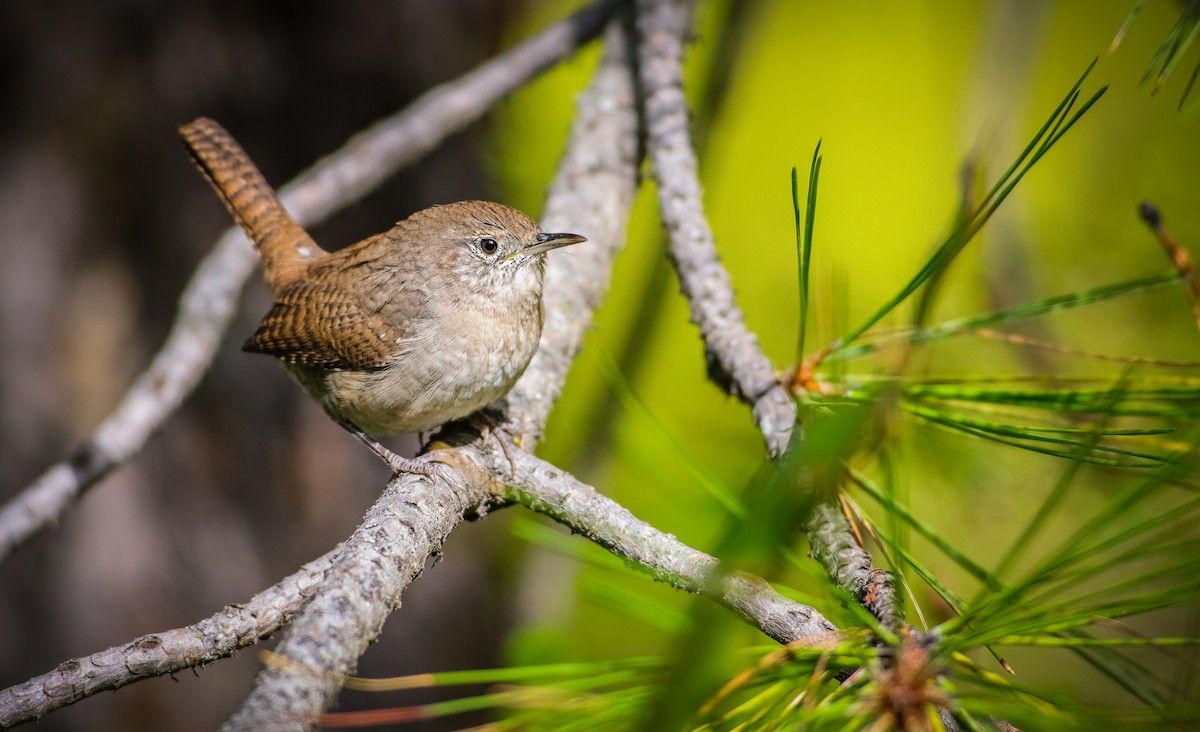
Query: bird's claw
point(426, 465)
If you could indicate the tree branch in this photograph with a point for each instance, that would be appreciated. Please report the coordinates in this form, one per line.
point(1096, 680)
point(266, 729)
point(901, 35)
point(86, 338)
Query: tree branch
point(562, 497)
point(207, 304)
point(408, 525)
point(735, 361)
point(388, 550)
point(213, 638)
point(354, 587)
point(592, 191)
point(834, 546)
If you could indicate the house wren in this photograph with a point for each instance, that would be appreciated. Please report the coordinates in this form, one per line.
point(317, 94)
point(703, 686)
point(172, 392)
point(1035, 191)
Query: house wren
point(425, 323)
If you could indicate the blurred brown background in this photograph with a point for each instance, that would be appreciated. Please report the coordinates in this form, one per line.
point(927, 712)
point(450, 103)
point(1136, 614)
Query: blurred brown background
point(102, 219)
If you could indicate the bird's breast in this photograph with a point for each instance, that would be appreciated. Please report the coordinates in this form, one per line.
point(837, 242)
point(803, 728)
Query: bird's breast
point(450, 365)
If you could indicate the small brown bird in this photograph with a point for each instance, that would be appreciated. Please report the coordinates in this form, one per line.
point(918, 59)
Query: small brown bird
point(425, 323)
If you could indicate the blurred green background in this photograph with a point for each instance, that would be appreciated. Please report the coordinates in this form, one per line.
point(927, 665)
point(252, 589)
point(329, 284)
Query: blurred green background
point(901, 96)
point(103, 220)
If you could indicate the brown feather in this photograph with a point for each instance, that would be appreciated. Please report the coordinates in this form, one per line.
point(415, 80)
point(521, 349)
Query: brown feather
point(285, 248)
point(319, 325)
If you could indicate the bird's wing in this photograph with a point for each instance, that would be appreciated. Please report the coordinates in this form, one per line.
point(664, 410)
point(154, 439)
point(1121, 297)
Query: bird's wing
point(319, 325)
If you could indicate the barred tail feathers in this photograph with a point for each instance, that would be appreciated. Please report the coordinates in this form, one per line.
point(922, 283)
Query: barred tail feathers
point(284, 247)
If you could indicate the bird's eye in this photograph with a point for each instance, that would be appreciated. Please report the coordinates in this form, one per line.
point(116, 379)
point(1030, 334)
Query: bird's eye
point(488, 245)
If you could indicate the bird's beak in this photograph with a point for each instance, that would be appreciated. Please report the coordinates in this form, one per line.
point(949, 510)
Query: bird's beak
point(546, 242)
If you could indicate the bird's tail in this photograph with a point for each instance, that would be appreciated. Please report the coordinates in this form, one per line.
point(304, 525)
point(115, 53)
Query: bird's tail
point(284, 247)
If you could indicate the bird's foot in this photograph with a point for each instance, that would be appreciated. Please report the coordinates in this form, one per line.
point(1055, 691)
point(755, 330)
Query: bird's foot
point(425, 464)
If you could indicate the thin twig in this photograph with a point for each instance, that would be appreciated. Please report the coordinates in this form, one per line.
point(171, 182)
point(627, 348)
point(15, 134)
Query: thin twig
point(1178, 255)
point(579, 507)
point(735, 360)
point(849, 565)
point(208, 303)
